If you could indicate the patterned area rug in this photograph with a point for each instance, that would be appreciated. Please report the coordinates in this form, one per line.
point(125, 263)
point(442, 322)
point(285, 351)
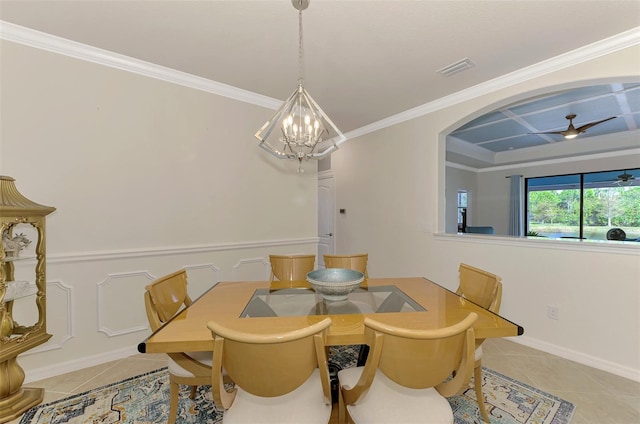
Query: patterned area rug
point(145, 399)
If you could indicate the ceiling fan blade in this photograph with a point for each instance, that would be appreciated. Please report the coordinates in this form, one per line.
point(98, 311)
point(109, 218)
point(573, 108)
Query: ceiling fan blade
point(571, 131)
point(591, 124)
point(550, 132)
point(626, 177)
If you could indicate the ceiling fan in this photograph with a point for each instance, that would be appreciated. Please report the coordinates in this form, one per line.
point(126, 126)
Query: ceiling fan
point(625, 179)
point(571, 131)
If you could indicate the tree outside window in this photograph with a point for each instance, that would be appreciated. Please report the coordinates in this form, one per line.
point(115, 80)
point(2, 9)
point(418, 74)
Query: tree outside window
point(584, 205)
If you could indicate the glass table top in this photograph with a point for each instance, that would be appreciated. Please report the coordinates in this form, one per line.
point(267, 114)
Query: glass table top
point(303, 302)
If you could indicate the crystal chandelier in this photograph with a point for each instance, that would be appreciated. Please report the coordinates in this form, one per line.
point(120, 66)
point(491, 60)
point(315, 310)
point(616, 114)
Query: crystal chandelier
point(305, 131)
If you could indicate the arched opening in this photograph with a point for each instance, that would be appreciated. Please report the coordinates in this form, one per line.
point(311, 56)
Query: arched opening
point(521, 136)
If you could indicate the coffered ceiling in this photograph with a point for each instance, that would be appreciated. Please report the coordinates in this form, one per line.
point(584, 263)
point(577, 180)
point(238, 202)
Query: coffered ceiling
point(365, 61)
point(516, 128)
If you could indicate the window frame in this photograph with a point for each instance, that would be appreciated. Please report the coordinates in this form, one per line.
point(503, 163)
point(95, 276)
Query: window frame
point(581, 190)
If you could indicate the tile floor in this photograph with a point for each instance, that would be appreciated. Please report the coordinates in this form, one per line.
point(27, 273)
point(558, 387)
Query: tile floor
point(599, 397)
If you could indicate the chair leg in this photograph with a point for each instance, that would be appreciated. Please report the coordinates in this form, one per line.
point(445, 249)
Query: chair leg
point(341, 408)
point(362, 355)
point(477, 379)
point(174, 390)
point(192, 395)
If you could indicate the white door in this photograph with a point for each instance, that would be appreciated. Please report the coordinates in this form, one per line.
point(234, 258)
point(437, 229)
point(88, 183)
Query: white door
point(326, 230)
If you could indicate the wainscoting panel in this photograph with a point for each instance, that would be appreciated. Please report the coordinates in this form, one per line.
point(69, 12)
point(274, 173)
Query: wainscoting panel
point(252, 269)
point(119, 314)
point(95, 300)
point(201, 278)
point(59, 324)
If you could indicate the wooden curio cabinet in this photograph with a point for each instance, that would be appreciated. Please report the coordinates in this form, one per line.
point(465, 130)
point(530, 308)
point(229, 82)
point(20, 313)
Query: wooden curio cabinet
point(23, 286)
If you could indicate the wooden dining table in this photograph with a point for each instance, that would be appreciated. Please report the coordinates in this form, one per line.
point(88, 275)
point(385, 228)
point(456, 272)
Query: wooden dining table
point(424, 305)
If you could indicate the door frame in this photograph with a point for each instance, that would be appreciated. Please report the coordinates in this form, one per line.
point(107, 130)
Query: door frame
point(326, 179)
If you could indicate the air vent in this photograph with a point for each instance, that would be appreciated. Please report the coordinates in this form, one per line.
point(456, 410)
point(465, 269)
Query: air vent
point(454, 68)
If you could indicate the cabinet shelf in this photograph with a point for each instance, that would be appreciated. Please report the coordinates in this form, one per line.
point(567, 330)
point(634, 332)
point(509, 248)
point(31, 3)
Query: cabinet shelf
point(19, 258)
point(19, 289)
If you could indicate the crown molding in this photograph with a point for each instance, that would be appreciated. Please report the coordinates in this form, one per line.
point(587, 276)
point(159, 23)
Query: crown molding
point(521, 165)
point(565, 60)
point(44, 41)
point(40, 40)
point(460, 166)
point(579, 158)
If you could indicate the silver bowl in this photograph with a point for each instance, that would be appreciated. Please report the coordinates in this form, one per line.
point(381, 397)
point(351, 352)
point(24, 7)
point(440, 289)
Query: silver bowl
point(335, 284)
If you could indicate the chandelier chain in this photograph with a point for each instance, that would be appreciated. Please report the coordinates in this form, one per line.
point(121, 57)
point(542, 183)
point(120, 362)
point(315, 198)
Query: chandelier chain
point(298, 129)
point(300, 51)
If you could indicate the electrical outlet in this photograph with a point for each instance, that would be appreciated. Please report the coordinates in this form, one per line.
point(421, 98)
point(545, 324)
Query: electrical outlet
point(553, 312)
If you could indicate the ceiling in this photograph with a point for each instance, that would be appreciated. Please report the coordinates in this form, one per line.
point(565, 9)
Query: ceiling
point(364, 60)
point(512, 129)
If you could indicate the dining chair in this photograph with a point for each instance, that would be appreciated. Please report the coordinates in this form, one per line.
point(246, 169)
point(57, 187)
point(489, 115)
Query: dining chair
point(408, 374)
point(277, 377)
point(163, 299)
point(485, 290)
point(357, 262)
point(290, 270)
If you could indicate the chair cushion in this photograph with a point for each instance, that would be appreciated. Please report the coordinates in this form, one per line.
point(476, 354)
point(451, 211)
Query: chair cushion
point(388, 402)
point(202, 357)
point(303, 405)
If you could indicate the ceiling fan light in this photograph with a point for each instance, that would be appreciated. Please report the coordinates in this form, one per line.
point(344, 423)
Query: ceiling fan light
point(570, 136)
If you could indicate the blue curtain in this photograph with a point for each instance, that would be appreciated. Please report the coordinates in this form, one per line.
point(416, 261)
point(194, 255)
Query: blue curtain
point(515, 206)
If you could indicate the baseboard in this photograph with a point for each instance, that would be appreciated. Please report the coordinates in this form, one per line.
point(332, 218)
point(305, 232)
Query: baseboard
point(78, 364)
point(579, 357)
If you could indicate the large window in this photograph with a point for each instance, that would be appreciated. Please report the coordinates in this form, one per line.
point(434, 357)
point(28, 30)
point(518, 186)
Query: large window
point(586, 206)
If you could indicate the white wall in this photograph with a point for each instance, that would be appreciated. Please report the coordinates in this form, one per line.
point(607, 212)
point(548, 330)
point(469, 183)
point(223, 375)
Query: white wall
point(147, 177)
point(392, 184)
